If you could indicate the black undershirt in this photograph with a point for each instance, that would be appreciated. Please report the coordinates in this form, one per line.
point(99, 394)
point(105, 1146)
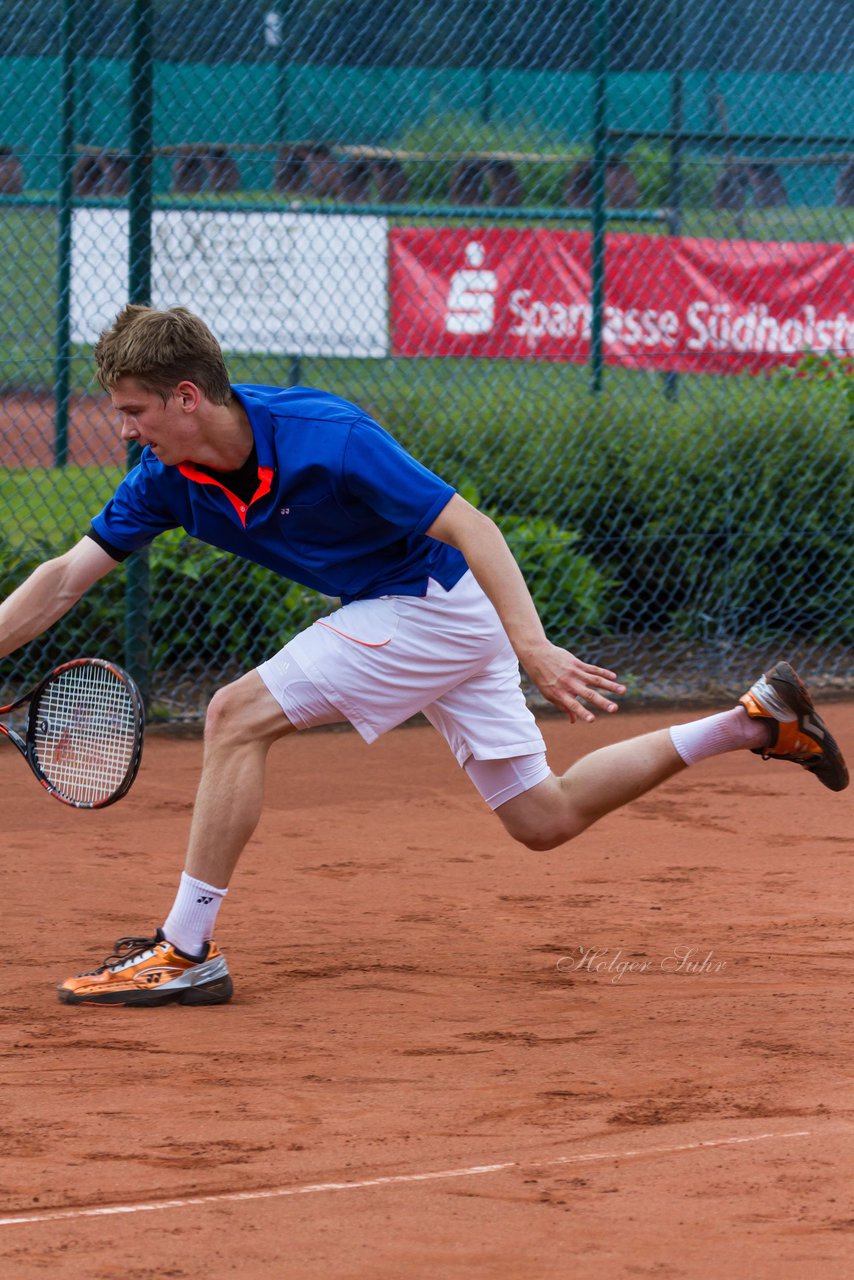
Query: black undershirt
point(243, 482)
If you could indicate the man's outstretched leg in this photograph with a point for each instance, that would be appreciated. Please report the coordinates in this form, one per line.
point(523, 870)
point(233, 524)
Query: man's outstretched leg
point(776, 718)
point(181, 962)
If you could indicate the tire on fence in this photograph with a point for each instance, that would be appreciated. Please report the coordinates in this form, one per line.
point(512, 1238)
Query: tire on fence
point(364, 181)
point(490, 182)
point(767, 186)
point(11, 173)
point(466, 183)
point(86, 175)
point(223, 172)
point(392, 182)
point(356, 181)
point(308, 169)
point(291, 174)
point(189, 171)
point(504, 184)
point(115, 175)
point(621, 188)
point(325, 178)
point(730, 190)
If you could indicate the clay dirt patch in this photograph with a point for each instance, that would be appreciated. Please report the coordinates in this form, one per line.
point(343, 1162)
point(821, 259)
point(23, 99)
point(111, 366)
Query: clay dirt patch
point(645, 1037)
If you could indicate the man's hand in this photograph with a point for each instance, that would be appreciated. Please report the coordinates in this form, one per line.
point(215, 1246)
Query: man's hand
point(565, 679)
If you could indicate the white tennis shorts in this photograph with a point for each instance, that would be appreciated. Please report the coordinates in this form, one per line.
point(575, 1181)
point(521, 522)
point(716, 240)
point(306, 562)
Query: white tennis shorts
point(379, 662)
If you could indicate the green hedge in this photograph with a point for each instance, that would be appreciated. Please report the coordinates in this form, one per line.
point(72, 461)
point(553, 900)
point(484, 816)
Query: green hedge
point(728, 510)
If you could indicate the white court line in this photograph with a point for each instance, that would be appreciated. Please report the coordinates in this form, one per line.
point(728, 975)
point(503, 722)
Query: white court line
point(440, 1175)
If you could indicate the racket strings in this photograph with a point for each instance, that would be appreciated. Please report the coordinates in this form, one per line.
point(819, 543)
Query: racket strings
point(85, 733)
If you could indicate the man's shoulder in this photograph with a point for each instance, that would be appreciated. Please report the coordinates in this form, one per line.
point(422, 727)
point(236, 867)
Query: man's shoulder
point(299, 404)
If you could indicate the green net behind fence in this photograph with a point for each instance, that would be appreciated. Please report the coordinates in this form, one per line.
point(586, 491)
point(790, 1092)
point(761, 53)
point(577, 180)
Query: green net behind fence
point(591, 263)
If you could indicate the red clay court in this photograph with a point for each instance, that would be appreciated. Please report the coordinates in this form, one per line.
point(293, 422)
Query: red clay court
point(28, 426)
point(446, 1056)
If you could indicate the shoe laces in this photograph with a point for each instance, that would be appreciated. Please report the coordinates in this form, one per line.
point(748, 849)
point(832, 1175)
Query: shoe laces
point(126, 949)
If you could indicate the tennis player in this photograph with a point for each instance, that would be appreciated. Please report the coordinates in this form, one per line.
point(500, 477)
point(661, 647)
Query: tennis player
point(435, 617)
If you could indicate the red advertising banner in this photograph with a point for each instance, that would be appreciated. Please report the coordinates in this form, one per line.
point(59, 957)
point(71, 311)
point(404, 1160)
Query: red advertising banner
point(689, 305)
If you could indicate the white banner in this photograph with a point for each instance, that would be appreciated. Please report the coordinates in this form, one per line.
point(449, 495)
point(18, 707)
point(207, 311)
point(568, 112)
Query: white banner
point(266, 283)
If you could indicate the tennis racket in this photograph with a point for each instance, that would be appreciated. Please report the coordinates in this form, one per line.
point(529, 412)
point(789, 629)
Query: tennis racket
point(83, 739)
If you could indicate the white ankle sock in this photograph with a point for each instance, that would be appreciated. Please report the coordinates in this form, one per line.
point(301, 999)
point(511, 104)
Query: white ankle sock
point(190, 923)
point(714, 735)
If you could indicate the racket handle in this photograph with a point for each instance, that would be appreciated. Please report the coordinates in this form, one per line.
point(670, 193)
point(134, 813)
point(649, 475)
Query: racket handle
point(14, 738)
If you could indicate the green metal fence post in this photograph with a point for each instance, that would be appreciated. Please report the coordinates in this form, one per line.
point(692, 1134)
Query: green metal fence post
point(62, 356)
point(274, 39)
point(677, 144)
point(600, 160)
point(491, 23)
point(137, 636)
point(141, 143)
point(275, 35)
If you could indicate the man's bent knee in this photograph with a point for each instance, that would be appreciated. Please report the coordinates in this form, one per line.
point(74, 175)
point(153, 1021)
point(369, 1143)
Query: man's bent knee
point(541, 818)
point(542, 838)
point(244, 712)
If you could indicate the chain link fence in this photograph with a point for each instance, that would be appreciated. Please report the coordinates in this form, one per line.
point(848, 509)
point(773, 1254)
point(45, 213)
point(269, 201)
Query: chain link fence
point(590, 262)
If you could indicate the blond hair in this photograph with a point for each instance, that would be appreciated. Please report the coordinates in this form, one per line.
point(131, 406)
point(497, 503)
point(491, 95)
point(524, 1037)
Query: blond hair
point(160, 349)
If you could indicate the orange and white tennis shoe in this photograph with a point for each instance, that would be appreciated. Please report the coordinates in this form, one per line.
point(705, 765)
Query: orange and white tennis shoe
point(798, 732)
point(151, 971)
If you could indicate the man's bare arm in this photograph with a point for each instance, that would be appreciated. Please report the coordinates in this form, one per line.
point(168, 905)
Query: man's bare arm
point(558, 674)
point(49, 592)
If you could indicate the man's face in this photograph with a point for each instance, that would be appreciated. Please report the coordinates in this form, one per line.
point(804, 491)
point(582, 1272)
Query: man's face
point(170, 430)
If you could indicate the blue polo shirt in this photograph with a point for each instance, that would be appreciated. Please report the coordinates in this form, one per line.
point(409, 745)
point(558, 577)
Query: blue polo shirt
point(340, 506)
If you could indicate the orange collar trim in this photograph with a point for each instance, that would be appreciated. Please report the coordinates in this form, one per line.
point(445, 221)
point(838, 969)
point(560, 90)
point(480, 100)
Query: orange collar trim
point(265, 484)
